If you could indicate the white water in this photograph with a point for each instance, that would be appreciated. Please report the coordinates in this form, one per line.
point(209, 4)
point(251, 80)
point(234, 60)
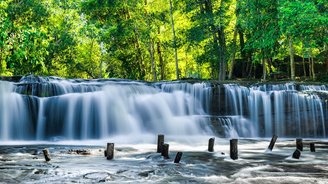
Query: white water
point(139, 163)
point(13, 113)
point(135, 111)
point(279, 109)
point(119, 108)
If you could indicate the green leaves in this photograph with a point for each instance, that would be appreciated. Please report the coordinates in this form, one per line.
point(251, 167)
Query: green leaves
point(123, 38)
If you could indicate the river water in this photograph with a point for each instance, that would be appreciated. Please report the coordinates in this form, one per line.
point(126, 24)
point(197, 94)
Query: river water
point(22, 162)
point(75, 114)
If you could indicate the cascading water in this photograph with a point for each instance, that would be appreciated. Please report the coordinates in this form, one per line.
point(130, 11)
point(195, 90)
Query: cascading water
point(12, 111)
point(79, 110)
point(51, 108)
point(279, 109)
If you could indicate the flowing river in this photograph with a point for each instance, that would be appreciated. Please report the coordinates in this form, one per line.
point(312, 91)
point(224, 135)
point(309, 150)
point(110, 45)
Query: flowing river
point(61, 114)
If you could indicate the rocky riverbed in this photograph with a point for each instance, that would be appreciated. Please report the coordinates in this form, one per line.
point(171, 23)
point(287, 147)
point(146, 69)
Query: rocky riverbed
point(84, 162)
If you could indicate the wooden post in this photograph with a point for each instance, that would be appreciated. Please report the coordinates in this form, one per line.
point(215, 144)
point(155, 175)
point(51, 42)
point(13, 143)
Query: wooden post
point(110, 151)
point(178, 157)
point(105, 153)
point(297, 154)
point(234, 149)
point(165, 151)
point(312, 147)
point(46, 154)
point(299, 144)
point(160, 142)
point(272, 142)
point(211, 144)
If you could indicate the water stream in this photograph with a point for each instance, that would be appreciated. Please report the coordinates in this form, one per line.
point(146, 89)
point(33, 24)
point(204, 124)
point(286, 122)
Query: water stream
point(61, 114)
point(52, 108)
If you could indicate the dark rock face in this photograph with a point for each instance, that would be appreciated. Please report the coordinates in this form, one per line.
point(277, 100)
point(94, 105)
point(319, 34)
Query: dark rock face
point(11, 79)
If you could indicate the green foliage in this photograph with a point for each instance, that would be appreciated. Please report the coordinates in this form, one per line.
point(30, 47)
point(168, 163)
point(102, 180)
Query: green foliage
point(133, 38)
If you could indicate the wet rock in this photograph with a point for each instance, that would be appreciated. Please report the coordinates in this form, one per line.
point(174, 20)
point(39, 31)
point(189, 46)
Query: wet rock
point(121, 171)
point(146, 173)
point(297, 154)
point(98, 176)
point(35, 152)
point(79, 152)
point(40, 172)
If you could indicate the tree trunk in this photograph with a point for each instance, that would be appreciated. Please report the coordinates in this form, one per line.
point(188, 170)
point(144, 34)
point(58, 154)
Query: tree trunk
point(245, 63)
point(140, 59)
point(101, 60)
point(264, 61)
point(161, 61)
point(153, 65)
point(222, 41)
point(292, 61)
point(174, 42)
point(90, 70)
point(151, 46)
point(233, 54)
point(325, 50)
point(304, 68)
point(214, 30)
point(270, 65)
point(312, 68)
point(223, 48)
point(311, 65)
point(303, 61)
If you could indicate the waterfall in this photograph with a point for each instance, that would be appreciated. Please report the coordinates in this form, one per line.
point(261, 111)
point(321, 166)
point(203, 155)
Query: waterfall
point(279, 109)
point(52, 108)
point(98, 109)
point(14, 114)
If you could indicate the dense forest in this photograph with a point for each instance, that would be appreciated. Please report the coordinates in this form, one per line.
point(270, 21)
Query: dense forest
point(164, 39)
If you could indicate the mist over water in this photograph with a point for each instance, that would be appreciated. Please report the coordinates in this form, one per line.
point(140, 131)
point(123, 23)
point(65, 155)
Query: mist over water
point(56, 109)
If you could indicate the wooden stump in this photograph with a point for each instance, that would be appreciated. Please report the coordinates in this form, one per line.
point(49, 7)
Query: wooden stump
point(312, 147)
point(297, 154)
point(165, 151)
point(272, 142)
point(160, 142)
point(299, 144)
point(46, 154)
point(234, 149)
point(178, 157)
point(110, 151)
point(211, 144)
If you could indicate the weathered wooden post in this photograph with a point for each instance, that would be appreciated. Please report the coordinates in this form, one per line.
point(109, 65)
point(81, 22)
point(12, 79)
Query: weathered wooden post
point(178, 157)
point(299, 144)
point(312, 147)
point(110, 151)
point(297, 154)
point(160, 142)
point(165, 151)
point(46, 154)
point(211, 144)
point(272, 142)
point(234, 149)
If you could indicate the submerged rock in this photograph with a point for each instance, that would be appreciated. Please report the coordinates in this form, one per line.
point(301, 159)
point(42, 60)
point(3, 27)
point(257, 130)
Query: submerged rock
point(79, 152)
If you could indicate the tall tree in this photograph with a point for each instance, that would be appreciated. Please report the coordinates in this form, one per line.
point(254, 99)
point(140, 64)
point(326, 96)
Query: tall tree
point(174, 42)
point(261, 24)
point(301, 21)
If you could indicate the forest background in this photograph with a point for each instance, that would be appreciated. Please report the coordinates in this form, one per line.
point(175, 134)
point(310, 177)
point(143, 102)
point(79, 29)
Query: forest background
point(165, 39)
